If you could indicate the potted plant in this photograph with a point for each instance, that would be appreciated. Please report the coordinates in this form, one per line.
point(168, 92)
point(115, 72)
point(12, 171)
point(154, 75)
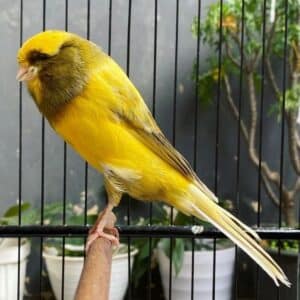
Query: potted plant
point(74, 254)
point(10, 254)
point(182, 260)
point(53, 251)
point(246, 27)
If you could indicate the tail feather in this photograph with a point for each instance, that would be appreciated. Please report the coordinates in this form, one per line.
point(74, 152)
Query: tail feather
point(244, 226)
point(246, 238)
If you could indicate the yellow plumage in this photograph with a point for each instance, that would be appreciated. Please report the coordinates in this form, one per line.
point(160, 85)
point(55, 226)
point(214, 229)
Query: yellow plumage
point(109, 125)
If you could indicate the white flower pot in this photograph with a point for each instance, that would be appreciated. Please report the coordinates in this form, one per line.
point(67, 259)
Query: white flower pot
point(203, 275)
point(73, 268)
point(9, 268)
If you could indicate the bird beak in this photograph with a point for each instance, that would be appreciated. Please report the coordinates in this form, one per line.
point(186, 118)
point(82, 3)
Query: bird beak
point(25, 73)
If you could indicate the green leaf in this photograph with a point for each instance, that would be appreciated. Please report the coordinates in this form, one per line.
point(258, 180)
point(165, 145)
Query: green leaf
point(182, 220)
point(144, 250)
point(178, 254)
point(292, 101)
point(141, 262)
point(288, 245)
point(9, 220)
point(29, 217)
point(139, 269)
point(79, 219)
point(206, 84)
point(77, 241)
point(14, 210)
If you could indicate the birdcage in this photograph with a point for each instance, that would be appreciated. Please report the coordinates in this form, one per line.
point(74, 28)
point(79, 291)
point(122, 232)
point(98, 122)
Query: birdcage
point(221, 79)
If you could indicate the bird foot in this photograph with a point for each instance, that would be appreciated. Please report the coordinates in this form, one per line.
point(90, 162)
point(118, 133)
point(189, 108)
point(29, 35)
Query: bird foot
point(110, 234)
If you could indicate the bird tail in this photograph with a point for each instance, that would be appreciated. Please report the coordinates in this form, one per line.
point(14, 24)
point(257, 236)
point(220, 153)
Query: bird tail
point(203, 207)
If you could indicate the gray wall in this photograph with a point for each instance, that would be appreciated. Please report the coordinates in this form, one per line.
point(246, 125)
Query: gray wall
point(141, 73)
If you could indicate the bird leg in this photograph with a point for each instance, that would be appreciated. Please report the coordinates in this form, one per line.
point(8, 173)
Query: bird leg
point(110, 233)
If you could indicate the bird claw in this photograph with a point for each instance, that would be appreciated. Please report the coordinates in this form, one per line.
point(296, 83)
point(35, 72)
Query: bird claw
point(112, 235)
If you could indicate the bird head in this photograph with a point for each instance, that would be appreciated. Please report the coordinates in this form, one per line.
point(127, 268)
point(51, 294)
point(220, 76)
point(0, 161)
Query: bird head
point(55, 65)
point(38, 53)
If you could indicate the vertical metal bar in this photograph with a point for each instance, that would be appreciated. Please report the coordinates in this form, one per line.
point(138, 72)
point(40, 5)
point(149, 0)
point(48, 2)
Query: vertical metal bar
point(298, 257)
point(285, 56)
point(175, 75)
point(86, 169)
point(42, 175)
point(262, 94)
point(64, 181)
point(128, 204)
point(65, 144)
point(261, 113)
point(217, 132)
point(128, 37)
point(86, 166)
point(214, 270)
point(174, 136)
point(238, 150)
point(283, 112)
point(153, 113)
point(196, 135)
point(43, 141)
point(218, 100)
point(109, 26)
point(20, 153)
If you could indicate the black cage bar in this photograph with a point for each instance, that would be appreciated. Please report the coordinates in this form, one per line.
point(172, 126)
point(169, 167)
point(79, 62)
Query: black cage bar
point(168, 33)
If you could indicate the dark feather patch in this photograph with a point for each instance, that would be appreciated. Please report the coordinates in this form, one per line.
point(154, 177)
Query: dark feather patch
point(62, 76)
point(36, 56)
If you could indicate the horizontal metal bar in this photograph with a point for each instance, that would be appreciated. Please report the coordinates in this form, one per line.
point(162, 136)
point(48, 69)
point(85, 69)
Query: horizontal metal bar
point(140, 231)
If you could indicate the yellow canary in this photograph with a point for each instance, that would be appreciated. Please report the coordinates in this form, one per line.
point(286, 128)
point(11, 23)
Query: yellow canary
point(90, 102)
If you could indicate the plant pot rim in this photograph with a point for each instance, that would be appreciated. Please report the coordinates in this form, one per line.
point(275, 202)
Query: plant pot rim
point(118, 256)
point(9, 254)
point(189, 252)
point(227, 249)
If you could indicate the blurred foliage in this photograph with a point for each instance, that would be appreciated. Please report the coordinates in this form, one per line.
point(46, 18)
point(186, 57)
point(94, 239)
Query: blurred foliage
point(211, 30)
point(292, 98)
point(53, 215)
point(11, 216)
point(290, 246)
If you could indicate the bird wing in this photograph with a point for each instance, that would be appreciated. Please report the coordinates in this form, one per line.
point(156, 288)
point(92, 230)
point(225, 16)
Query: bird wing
point(128, 107)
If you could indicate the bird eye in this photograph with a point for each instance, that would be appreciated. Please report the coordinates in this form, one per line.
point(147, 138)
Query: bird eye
point(42, 56)
point(35, 56)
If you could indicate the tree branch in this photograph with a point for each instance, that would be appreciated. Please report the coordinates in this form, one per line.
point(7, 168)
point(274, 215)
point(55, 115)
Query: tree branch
point(293, 137)
point(271, 78)
point(253, 121)
point(271, 175)
point(292, 132)
point(266, 181)
point(229, 54)
point(270, 36)
point(295, 188)
point(268, 48)
point(234, 108)
point(269, 190)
